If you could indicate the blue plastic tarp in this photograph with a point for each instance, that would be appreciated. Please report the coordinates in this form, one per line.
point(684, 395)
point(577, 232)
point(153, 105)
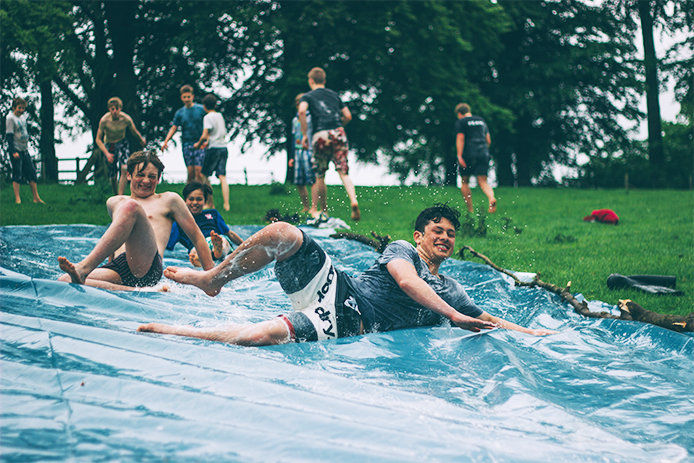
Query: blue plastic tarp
point(79, 383)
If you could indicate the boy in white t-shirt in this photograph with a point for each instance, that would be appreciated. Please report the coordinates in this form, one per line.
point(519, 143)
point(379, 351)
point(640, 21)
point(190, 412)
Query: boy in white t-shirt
point(214, 139)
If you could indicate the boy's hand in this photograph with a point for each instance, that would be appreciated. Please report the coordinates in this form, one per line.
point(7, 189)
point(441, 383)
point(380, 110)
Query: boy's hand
point(15, 155)
point(164, 145)
point(143, 142)
point(304, 142)
point(109, 157)
point(291, 162)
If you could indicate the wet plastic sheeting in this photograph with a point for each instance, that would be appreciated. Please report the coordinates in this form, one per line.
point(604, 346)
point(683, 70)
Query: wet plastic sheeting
point(79, 383)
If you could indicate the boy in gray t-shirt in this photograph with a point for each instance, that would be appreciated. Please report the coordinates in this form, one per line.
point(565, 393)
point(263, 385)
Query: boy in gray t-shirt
point(402, 290)
point(17, 138)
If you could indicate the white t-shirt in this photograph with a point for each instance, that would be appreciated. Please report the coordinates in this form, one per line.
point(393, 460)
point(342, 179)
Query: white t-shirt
point(214, 122)
point(17, 126)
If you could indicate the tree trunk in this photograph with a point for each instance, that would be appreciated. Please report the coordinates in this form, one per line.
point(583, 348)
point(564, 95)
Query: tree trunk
point(49, 162)
point(120, 17)
point(655, 135)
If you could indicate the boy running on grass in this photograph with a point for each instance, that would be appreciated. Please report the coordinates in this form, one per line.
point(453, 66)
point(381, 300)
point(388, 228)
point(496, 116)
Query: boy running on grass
point(213, 138)
point(189, 118)
point(113, 142)
point(329, 140)
point(210, 222)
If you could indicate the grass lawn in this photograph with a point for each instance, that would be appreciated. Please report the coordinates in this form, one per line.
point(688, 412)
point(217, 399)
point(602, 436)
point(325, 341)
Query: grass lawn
point(534, 230)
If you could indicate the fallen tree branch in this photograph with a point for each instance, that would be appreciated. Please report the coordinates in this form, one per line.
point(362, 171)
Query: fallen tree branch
point(629, 310)
point(378, 242)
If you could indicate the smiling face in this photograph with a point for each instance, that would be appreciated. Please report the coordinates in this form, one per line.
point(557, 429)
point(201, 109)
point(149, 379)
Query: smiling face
point(144, 180)
point(19, 110)
point(195, 201)
point(437, 242)
point(187, 99)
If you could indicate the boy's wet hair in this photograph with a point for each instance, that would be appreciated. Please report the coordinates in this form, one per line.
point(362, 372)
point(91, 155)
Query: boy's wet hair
point(462, 108)
point(19, 101)
point(192, 186)
point(317, 75)
point(186, 89)
point(115, 101)
point(145, 157)
point(209, 101)
point(434, 214)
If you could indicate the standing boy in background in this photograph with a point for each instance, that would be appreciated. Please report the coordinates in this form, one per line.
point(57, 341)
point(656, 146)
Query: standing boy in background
point(213, 137)
point(472, 145)
point(301, 162)
point(17, 138)
point(189, 119)
point(329, 140)
point(111, 139)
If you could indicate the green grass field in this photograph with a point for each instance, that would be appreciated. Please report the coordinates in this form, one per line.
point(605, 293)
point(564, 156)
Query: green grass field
point(534, 230)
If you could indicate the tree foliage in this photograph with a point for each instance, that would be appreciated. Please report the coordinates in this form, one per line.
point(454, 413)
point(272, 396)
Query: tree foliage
point(552, 78)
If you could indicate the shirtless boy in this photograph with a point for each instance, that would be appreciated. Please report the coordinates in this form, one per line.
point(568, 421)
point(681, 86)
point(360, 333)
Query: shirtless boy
point(139, 230)
point(403, 289)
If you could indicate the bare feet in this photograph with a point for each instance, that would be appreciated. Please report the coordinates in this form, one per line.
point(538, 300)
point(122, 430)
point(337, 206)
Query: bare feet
point(227, 207)
point(188, 276)
point(356, 215)
point(39, 201)
point(194, 258)
point(69, 268)
point(492, 206)
point(217, 245)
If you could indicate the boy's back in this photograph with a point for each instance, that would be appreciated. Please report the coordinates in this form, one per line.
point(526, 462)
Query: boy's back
point(325, 107)
point(214, 122)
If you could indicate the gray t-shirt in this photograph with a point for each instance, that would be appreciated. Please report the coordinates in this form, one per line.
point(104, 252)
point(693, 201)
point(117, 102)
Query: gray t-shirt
point(385, 307)
point(17, 126)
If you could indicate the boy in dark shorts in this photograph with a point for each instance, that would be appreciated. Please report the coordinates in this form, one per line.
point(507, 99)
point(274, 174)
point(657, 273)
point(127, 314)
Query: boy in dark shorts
point(210, 222)
point(17, 138)
point(472, 146)
point(403, 289)
point(213, 137)
point(111, 139)
point(329, 140)
point(189, 119)
point(139, 231)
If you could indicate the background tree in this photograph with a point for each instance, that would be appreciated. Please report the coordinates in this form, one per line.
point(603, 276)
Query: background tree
point(567, 75)
point(28, 54)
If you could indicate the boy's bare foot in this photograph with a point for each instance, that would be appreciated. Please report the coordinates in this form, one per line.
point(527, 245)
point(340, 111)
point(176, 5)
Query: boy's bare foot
point(188, 276)
point(18, 201)
point(492, 206)
point(217, 245)
point(194, 258)
point(39, 200)
point(356, 214)
point(69, 268)
point(227, 207)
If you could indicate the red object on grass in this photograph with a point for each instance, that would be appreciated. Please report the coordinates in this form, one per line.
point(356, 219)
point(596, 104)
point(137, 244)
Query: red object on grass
point(603, 215)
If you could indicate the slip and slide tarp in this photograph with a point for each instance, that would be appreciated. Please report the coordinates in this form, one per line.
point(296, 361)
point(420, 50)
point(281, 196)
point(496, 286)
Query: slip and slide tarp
point(78, 382)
